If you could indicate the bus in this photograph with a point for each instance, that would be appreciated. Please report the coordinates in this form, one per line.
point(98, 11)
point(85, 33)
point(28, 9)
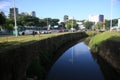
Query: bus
point(27, 30)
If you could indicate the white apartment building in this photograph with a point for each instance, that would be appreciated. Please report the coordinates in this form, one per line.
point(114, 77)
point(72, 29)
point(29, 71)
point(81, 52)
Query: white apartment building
point(96, 18)
point(119, 22)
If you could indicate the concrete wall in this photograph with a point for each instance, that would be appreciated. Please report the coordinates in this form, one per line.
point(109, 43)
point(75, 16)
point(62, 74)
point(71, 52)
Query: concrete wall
point(15, 61)
point(110, 52)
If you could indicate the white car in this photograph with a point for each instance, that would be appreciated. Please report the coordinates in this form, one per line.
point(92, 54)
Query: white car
point(46, 31)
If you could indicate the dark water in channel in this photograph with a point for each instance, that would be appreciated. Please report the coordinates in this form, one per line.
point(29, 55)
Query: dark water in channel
point(76, 63)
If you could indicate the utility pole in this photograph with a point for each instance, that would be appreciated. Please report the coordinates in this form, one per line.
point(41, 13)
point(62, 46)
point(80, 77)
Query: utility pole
point(72, 23)
point(16, 31)
point(47, 24)
point(111, 8)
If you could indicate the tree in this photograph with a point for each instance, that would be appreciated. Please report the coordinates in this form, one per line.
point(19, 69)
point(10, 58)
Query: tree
point(99, 26)
point(28, 21)
point(2, 20)
point(54, 22)
point(114, 23)
point(107, 24)
point(42, 22)
point(88, 24)
point(71, 24)
point(62, 25)
point(9, 24)
point(49, 21)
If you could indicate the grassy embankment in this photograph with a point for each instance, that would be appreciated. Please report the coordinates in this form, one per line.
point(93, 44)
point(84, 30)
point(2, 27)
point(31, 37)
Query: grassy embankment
point(98, 39)
point(13, 40)
point(90, 35)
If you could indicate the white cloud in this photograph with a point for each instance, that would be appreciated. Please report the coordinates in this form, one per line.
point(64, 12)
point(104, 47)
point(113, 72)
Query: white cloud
point(4, 4)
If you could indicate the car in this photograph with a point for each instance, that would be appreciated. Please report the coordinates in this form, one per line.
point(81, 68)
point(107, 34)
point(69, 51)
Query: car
point(46, 31)
point(59, 30)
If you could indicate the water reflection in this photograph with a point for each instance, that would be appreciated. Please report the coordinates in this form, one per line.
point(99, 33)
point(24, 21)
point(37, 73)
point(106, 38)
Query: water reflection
point(76, 64)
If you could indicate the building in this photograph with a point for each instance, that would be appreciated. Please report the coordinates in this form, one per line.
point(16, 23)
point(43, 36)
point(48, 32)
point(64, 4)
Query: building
point(12, 12)
point(33, 13)
point(71, 17)
point(119, 22)
point(24, 13)
point(80, 25)
point(116, 28)
point(66, 17)
point(96, 18)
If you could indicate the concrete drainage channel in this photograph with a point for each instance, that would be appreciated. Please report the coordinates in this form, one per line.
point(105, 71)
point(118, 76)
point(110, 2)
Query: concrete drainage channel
point(33, 60)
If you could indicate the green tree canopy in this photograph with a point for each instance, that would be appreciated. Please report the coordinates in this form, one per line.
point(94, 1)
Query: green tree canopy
point(54, 22)
point(107, 23)
point(88, 24)
point(28, 21)
point(62, 25)
point(114, 23)
point(42, 22)
point(51, 21)
point(99, 26)
point(9, 24)
point(2, 19)
point(71, 23)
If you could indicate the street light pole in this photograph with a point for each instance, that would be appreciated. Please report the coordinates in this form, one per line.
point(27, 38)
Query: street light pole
point(16, 32)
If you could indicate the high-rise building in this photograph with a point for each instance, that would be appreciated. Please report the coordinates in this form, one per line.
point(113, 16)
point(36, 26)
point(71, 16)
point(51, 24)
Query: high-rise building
point(12, 12)
point(33, 13)
point(96, 18)
point(66, 17)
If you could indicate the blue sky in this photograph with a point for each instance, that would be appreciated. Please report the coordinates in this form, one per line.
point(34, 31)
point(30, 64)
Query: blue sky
point(80, 9)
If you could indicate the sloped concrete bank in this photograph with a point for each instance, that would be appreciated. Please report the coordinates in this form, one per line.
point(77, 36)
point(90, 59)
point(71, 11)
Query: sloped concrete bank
point(108, 70)
point(32, 59)
point(110, 52)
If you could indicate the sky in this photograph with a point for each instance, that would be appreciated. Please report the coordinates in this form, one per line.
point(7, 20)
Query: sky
point(79, 9)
